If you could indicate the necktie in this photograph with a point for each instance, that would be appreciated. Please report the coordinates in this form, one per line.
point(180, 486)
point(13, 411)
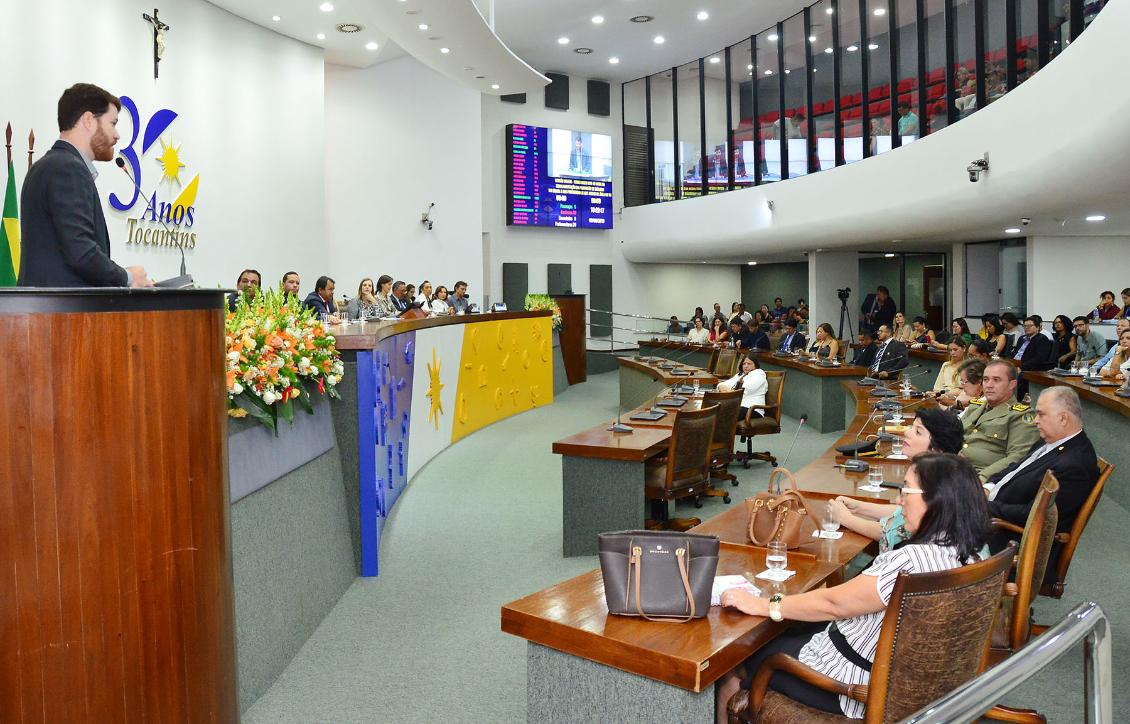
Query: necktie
point(1039, 453)
point(1023, 346)
point(878, 357)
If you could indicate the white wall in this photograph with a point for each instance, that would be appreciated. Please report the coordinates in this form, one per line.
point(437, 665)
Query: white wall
point(827, 272)
point(1057, 282)
point(250, 123)
point(398, 137)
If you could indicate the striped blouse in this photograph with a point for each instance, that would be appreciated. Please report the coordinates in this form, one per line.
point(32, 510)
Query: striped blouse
point(862, 632)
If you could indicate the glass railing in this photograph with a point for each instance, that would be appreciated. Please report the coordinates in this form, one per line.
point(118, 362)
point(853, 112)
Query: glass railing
point(841, 81)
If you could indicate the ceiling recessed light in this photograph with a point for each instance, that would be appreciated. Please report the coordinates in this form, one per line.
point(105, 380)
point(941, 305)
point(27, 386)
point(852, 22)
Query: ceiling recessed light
point(751, 263)
point(787, 71)
point(1012, 230)
point(582, 51)
point(614, 60)
point(716, 59)
point(773, 37)
point(494, 86)
point(768, 72)
point(371, 45)
point(276, 18)
point(749, 66)
point(422, 26)
point(828, 51)
point(641, 18)
point(562, 40)
point(597, 19)
point(814, 70)
point(349, 28)
point(812, 38)
point(829, 11)
point(880, 11)
point(702, 15)
point(445, 51)
point(889, 255)
point(326, 7)
point(852, 48)
point(872, 46)
point(659, 40)
point(1096, 217)
point(320, 36)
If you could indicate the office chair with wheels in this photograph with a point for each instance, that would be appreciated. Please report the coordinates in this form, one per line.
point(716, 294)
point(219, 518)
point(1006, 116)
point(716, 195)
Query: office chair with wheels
point(684, 470)
point(1069, 540)
point(750, 426)
point(722, 448)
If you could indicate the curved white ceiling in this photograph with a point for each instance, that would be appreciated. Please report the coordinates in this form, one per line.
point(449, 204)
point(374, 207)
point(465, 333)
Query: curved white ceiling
point(1058, 148)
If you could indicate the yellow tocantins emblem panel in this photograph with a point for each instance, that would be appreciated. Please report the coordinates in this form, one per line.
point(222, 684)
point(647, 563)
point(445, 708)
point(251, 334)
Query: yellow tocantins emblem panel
point(507, 368)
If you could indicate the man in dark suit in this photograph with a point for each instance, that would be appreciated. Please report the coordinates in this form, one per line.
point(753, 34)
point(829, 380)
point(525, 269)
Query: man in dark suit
point(322, 298)
point(398, 297)
point(878, 309)
point(890, 357)
point(1065, 450)
point(1033, 351)
point(865, 355)
point(792, 339)
point(65, 242)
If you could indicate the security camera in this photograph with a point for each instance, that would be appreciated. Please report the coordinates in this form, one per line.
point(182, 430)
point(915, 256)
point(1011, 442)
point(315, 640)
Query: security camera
point(1025, 221)
point(978, 167)
point(425, 218)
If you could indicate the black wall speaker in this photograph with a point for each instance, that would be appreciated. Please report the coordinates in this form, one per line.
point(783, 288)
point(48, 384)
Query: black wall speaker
point(514, 98)
point(599, 98)
point(557, 92)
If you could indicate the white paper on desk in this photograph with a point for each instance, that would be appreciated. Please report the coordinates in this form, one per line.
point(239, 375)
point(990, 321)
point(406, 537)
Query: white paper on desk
point(829, 534)
point(723, 583)
point(871, 488)
point(769, 575)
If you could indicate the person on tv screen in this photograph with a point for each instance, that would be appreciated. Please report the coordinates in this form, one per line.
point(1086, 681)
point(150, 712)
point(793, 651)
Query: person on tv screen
point(579, 161)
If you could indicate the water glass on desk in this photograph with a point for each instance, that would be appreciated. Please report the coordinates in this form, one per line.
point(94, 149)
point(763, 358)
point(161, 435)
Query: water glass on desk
point(829, 523)
point(776, 556)
point(875, 476)
point(696, 386)
point(896, 447)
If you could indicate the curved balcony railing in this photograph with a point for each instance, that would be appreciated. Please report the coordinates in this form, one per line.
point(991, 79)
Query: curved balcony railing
point(841, 81)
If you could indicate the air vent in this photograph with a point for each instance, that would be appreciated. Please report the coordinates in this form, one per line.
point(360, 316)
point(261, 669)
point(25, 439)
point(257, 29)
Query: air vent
point(582, 51)
point(642, 19)
point(349, 28)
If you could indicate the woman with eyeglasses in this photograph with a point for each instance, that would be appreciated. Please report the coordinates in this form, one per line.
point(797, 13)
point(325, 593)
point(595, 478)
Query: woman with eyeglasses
point(947, 520)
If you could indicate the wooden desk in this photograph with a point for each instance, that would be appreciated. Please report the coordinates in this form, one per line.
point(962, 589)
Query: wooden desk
point(586, 665)
point(641, 380)
point(822, 398)
point(699, 355)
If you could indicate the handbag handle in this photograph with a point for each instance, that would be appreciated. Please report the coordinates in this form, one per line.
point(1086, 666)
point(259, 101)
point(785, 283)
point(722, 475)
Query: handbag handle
point(782, 471)
point(680, 556)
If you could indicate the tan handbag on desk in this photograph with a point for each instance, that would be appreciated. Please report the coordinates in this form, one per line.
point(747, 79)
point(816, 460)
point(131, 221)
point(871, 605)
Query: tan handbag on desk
point(783, 517)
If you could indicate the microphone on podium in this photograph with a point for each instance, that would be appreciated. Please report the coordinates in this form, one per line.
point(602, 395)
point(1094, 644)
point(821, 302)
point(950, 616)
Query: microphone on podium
point(800, 424)
point(121, 163)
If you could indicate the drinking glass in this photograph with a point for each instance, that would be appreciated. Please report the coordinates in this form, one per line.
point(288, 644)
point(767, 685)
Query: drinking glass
point(896, 446)
point(696, 386)
point(776, 556)
point(896, 417)
point(874, 476)
point(326, 319)
point(829, 523)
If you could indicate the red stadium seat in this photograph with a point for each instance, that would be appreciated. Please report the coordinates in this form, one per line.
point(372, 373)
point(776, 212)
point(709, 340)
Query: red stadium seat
point(936, 75)
point(907, 84)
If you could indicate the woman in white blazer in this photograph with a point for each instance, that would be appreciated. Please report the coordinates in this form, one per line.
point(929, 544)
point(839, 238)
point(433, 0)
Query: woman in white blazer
point(753, 383)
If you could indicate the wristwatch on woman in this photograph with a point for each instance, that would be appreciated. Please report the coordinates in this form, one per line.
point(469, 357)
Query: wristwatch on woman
point(775, 607)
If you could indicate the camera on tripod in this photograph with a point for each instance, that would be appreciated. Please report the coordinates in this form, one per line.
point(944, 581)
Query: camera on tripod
point(843, 294)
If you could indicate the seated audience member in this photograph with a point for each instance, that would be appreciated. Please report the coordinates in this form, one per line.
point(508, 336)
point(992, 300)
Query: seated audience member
point(753, 383)
point(746, 316)
point(759, 338)
point(410, 293)
point(718, 315)
point(959, 329)
point(792, 339)
point(877, 309)
point(321, 300)
point(734, 312)
point(993, 329)
point(825, 346)
point(1033, 350)
point(718, 333)
point(947, 522)
point(948, 382)
point(1119, 365)
point(933, 431)
point(890, 357)
point(399, 297)
point(1089, 346)
point(742, 337)
point(759, 320)
point(697, 313)
point(364, 305)
point(290, 284)
point(1063, 341)
point(980, 349)
point(1123, 325)
point(1063, 449)
point(1010, 325)
point(247, 286)
point(970, 374)
point(384, 305)
point(903, 332)
point(674, 326)
point(459, 300)
point(923, 337)
point(778, 311)
point(801, 309)
point(865, 355)
point(1126, 303)
point(424, 298)
point(439, 304)
point(766, 314)
point(699, 334)
point(1106, 308)
point(998, 430)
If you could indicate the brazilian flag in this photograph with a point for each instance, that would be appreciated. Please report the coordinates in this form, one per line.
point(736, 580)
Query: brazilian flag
point(10, 233)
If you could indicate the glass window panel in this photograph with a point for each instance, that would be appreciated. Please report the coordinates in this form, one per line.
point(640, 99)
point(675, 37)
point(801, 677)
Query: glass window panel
point(635, 117)
point(796, 95)
point(635, 103)
point(690, 130)
point(935, 83)
point(717, 152)
point(823, 90)
point(996, 50)
point(964, 91)
point(741, 88)
point(879, 75)
point(851, 80)
point(768, 105)
point(1059, 26)
point(1027, 39)
point(908, 123)
point(664, 135)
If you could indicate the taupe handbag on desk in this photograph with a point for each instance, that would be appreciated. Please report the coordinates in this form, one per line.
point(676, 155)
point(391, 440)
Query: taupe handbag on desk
point(659, 575)
point(783, 517)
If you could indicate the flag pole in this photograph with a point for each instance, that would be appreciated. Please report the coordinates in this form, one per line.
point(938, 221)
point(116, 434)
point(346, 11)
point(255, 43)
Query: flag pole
point(8, 142)
point(30, 148)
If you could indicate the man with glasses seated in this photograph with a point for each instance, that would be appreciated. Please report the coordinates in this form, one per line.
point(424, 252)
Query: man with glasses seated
point(1089, 346)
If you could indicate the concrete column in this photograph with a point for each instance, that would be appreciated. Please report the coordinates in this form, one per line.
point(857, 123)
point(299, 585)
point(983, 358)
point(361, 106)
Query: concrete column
point(827, 272)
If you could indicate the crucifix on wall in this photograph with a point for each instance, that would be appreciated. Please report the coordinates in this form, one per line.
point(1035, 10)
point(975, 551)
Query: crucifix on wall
point(159, 30)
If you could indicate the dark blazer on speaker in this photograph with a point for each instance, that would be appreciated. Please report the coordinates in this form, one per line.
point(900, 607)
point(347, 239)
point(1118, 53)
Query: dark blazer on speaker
point(1075, 466)
point(797, 342)
point(64, 242)
point(892, 358)
point(1037, 355)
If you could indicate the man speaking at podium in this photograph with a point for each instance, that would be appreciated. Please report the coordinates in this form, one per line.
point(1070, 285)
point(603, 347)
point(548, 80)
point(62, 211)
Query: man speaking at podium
point(65, 242)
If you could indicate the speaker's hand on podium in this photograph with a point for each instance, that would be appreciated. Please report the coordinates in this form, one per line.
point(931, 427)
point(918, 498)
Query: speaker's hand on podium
point(138, 278)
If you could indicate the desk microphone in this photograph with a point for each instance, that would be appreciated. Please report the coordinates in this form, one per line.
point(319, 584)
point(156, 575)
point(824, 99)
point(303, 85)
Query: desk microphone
point(121, 163)
point(800, 424)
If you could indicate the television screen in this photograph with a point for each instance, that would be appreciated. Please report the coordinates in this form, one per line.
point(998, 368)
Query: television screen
point(556, 177)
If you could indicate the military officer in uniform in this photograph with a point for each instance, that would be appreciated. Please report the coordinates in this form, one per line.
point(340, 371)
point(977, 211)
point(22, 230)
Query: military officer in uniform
point(999, 432)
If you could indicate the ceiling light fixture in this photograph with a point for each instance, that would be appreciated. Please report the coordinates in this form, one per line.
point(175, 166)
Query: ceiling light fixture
point(716, 59)
point(1012, 230)
point(371, 45)
point(614, 60)
point(1096, 217)
point(703, 15)
point(829, 11)
point(828, 51)
point(582, 51)
point(773, 37)
point(812, 38)
point(562, 40)
point(787, 71)
point(276, 18)
point(872, 46)
point(889, 255)
point(445, 51)
point(320, 36)
point(749, 66)
point(422, 26)
point(852, 48)
point(880, 11)
point(659, 40)
point(641, 18)
point(751, 263)
point(597, 19)
point(494, 86)
point(326, 7)
point(768, 72)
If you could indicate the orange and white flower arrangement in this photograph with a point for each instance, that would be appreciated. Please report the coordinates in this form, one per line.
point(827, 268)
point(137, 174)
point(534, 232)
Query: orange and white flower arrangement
point(278, 353)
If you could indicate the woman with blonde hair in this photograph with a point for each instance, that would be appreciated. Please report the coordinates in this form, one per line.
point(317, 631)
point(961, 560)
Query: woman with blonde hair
point(1119, 365)
point(901, 330)
point(364, 305)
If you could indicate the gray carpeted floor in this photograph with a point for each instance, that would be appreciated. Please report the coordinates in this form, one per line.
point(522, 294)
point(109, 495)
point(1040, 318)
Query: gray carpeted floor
point(481, 526)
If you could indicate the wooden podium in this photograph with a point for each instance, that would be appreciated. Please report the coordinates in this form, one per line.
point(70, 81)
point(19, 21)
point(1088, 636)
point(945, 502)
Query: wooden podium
point(115, 542)
point(573, 333)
